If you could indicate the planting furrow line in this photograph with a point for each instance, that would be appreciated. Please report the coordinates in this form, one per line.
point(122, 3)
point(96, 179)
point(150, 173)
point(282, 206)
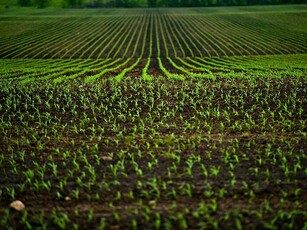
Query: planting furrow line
point(203, 65)
point(163, 69)
point(128, 44)
point(168, 58)
point(222, 65)
point(238, 62)
point(33, 76)
point(189, 32)
point(134, 48)
point(222, 61)
point(267, 62)
point(166, 72)
point(9, 40)
point(260, 37)
point(160, 32)
point(211, 62)
point(237, 59)
point(298, 38)
point(273, 30)
point(194, 22)
point(186, 35)
point(109, 32)
point(61, 49)
point(38, 40)
point(35, 49)
point(66, 64)
point(178, 33)
point(97, 65)
point(143, 43)
point(120, 76)
point(39, 45)
point(211, 47)
point(145, 74)
point(30, 67)
point(249, 38)
point(102, 37)
point(177, 57)
point(128, 35)
point(28, 63)
point(88, 34)
point(10, 43)
point(121, 40)
point(236, 38)
point(46, 75)
point(193, 66)
point(66, 49)
point(97, 33)
point(212, 34)
point(131, 51)
point(170, 40)
point(106, 70)
point(115, 38)
point(139, 42)
point(75, 69)
point(226, 64)
point(162, 50)
point(167, 28)
point(199, 40)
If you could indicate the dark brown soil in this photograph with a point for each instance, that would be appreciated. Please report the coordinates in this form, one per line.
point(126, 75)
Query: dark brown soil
point(250, 190)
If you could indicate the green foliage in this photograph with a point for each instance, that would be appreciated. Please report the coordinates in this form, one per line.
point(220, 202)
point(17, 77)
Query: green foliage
point(142, 3)
point(24, 2)
point(41, 3)
point(73, 3)
point(152, 3)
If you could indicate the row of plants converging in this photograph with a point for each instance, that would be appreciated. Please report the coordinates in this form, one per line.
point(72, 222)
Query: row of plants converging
point(58, 70)
point(152, 43)
point(179, 36)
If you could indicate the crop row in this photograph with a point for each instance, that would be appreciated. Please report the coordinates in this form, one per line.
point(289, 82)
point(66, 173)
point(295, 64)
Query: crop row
point(185, 36)
point(149, 44)
point(57, 70)
point(155, 43)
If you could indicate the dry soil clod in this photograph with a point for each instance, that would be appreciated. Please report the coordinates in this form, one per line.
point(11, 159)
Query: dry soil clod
point(17, 205)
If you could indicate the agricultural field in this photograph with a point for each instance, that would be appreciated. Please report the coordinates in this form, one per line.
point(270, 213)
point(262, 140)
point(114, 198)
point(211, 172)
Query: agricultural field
point(191, 118)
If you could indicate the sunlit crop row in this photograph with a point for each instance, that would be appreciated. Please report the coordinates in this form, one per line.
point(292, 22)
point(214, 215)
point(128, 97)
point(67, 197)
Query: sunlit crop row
point(29, 70)
point(197, 35)
point(152, 42)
